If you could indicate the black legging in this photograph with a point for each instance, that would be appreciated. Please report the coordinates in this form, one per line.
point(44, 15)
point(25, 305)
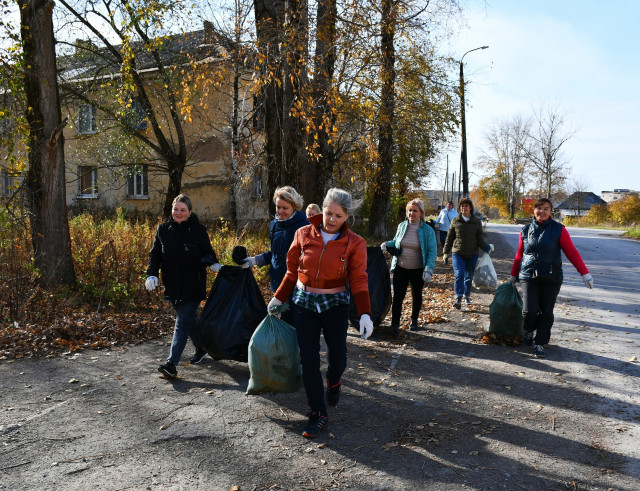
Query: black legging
point(401, 279)
point(538, 301)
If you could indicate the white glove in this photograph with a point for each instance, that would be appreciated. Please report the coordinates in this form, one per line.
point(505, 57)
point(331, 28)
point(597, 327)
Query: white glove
point(215, 268)
point(366, 326)
point(588, 280)
point(513, 279)
point(491, 247)
point(151, 283)
point(427, 276)
point(272, 308)
point(383, 246)
point(249, 262)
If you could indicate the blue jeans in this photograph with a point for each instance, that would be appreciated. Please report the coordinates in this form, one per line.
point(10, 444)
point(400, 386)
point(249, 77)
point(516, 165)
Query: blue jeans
point(185, 327)
point(463, 267)
point(333, 324)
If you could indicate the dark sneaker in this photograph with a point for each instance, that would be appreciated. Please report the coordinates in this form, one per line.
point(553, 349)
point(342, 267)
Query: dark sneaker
point(458, 303)
point(317, 423)
point(467, 301)
point(333, 393)
point(394, 330)
point(538, 351)
point(414, 326)
point(528, 338)
point(168, 370)
point(198, 357)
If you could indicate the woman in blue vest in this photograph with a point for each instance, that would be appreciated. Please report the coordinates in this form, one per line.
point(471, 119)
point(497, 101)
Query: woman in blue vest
point(416, 248)
point(282, 228)
point(538, 265)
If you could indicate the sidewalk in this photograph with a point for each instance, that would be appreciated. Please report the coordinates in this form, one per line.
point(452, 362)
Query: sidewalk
point(433, 409)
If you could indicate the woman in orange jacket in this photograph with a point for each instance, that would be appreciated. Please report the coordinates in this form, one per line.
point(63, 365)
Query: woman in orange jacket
point(323, 257)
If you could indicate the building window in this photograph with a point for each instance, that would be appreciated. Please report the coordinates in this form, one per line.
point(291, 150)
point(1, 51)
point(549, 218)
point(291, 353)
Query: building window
point(256, 190)
point(258, 113)
point(7, 182)
point(87, 182)
point(135, 117)
point(138, 182)
point(87, 120)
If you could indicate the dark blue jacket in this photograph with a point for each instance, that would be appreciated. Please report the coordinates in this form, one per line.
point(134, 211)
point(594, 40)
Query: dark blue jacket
point(281, 233)
point(542, 259)
point(182, 251)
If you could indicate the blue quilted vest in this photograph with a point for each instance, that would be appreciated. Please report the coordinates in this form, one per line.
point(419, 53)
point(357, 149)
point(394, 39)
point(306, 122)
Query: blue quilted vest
point(542, 260)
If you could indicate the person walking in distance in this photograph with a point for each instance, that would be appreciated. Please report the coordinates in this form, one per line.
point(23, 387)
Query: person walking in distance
point(182, 251)
point(538, 266)
point(444, 221)
point(323, 258)
point(464, 238)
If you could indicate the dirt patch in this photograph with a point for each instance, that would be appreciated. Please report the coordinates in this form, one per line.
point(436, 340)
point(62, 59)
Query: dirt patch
point(432, 409)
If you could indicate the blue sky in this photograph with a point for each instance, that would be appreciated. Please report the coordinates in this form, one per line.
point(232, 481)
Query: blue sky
point(581, 56)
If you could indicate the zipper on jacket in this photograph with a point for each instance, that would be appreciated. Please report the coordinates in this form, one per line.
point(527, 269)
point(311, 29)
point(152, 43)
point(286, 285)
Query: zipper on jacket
point(324, 247)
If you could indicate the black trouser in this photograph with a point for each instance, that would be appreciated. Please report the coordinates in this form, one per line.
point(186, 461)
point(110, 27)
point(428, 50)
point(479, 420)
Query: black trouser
point(539, 298)
point(443, 236)
point(401, 279)
point(333, 324)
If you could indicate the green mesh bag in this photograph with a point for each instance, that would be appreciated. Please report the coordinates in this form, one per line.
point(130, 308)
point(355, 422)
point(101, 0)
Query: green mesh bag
point(505, 311)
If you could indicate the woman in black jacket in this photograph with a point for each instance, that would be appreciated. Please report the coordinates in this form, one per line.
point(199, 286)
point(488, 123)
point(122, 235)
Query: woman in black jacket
point(182, 250)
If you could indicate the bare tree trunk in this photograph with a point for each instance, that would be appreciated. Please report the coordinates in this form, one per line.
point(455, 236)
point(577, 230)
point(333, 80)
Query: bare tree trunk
point(46, 176)
point(378, 221)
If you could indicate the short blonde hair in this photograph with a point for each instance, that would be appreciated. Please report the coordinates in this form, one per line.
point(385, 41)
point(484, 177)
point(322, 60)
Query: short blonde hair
point(290, 195)
point(418, 202)
point(314, 207)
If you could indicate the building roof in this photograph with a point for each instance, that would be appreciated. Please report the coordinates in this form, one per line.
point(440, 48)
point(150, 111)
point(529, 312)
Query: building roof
point(581, 200)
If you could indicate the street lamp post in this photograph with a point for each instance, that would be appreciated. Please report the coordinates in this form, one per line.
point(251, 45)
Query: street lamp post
point(463, 156)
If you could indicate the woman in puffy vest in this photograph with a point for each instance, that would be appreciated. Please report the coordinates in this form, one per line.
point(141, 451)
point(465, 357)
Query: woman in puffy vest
point(538, 266)
point(282, 228)
point(414, 264)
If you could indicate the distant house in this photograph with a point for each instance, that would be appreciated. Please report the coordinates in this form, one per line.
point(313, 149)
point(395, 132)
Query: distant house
point(616, 194)
point(578, 204)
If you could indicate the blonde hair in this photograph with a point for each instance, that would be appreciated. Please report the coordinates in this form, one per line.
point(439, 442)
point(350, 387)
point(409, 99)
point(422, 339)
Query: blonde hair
point(314, 207)
point(418, 202)
point(290, 195)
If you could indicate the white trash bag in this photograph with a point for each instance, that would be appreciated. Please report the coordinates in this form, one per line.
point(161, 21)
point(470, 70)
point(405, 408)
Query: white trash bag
point(485, 276)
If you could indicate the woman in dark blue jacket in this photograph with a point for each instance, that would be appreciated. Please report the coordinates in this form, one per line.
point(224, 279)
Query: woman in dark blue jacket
point(282, 228)
point(182, 251)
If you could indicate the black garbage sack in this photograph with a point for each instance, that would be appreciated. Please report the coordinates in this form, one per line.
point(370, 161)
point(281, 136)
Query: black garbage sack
point(274, 358)
point(233, 311)
point(505, 311)
point(239, 254)
point(379, 288)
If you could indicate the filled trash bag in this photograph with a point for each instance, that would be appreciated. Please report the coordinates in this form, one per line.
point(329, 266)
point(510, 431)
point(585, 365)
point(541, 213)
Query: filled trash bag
point(485, 274)
point(379, 288)
point(505, 311)
point(233, 311)
point(274, 358)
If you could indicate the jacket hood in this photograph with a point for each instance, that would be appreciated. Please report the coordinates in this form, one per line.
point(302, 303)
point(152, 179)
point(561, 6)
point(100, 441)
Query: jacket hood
point(192, 220)
point(296, 220)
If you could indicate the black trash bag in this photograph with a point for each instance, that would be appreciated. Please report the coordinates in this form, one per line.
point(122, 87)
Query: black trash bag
point(274, 358)
point(379, 288)
point(233, 311)
point(505, 311)
point(239, 254)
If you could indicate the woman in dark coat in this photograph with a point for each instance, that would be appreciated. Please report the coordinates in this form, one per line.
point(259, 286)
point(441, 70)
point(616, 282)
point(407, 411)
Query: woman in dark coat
point(182, 251)
point(464, 238)
point(282, 229)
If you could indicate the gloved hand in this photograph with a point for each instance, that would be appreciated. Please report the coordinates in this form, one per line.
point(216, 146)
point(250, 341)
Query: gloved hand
point(151, 283)
point(445, 258)
point(249, 262)
point(215, 268)
point(513, 279)
point(366, 326)
point(427, 276)
point(489, 249)
point(383, 246)
point(272, 308)
point(588, 280)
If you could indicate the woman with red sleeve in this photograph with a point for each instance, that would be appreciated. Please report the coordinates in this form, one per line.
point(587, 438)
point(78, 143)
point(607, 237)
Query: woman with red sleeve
point(538, 265)
point(322, 259)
